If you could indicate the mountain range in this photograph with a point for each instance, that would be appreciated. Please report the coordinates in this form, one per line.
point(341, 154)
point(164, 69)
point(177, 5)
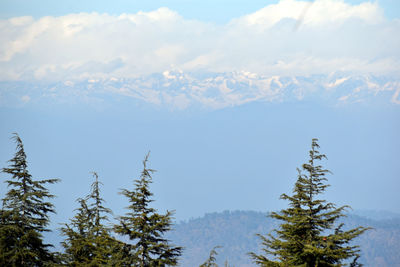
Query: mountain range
point(180, 90)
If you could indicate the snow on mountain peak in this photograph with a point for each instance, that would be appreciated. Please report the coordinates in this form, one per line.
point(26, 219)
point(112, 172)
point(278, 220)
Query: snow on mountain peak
point(337, 82)
point(181, 90)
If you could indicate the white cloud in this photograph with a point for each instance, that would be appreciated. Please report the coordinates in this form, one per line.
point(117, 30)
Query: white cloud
point(333, 36)
point(317, 13)
point(25, 98)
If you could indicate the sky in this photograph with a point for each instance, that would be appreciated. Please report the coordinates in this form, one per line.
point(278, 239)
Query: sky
point(95, 85)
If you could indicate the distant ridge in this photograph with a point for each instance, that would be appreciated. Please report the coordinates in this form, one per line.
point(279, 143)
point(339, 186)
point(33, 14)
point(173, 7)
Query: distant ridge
point(180, 90)
point(377, 214)
point(235, 232)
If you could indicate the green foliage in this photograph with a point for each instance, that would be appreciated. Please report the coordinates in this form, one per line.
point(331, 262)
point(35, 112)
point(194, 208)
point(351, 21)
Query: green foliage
point(88, 241)
point(145, 227)
point(24, 215)
point(78, 243)
point(303, 238)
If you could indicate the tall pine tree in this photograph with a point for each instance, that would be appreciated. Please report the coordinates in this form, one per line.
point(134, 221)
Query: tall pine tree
point(309, 235)
point(24, 215)
point(145, 227)
point(88, 240)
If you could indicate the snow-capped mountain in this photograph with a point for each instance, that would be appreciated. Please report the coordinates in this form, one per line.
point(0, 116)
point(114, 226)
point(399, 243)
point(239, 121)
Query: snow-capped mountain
point(179, 90)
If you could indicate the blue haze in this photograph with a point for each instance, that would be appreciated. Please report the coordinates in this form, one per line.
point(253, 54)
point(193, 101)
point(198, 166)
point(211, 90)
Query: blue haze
point(235, 158)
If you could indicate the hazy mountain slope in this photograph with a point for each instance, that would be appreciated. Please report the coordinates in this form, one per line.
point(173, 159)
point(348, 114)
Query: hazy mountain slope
point(235, 232)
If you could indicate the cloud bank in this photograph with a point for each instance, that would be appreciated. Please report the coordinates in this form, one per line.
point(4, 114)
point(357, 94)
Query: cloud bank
point(288, 38)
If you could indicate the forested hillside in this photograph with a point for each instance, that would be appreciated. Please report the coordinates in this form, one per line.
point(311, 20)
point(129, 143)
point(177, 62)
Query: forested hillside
point(236, 233)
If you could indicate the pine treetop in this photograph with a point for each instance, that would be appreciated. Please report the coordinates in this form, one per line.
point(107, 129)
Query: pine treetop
point(24, 215)
point(303, 237)
point(26, 196)
point(88, 240)
point(145, 227)
point(100, 211)
point(212, 260)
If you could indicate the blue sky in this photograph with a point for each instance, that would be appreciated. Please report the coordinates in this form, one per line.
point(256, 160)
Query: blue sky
point(219, 11)
point(83, 91)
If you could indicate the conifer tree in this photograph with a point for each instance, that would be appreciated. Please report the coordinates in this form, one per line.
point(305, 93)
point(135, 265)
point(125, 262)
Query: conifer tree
point(106, 245)
point(78, 243)
point(88, 241)
point(24, 215)
point(145, 227)
point(212, 260)
point(307, 235)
